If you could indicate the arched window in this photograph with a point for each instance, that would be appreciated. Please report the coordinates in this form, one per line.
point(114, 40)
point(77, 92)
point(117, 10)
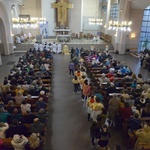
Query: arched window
point(144, 42)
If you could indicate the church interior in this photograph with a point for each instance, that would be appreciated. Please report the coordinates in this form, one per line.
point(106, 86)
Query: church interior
point(42, 104)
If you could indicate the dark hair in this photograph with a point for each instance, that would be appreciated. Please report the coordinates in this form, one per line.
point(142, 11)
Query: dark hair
point(97, 99)
point(75, 77)
point(126, 105)
point(104, 111)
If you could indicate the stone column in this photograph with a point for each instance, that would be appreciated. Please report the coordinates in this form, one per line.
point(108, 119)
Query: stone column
point(107, 16)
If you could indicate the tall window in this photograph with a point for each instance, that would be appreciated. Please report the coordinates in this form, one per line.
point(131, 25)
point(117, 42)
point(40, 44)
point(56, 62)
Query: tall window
point(114, 10)
point(145, 31)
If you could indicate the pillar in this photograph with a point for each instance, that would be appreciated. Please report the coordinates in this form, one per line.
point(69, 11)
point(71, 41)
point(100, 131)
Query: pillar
point(107, 16)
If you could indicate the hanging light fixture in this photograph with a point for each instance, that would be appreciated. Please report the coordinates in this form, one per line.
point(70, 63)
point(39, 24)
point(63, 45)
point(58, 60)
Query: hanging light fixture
point(26, 22)
point(123, 26)
point(95, 21)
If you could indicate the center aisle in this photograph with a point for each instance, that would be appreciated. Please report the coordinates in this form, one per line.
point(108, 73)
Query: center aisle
point(68, 128)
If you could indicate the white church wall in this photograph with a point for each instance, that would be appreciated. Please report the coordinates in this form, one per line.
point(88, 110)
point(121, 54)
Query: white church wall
point(49, 13)
point(75, 16)
point(91, 9)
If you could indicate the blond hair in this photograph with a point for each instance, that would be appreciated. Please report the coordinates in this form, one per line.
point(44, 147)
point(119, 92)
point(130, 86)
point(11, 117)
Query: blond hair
point(34, 141)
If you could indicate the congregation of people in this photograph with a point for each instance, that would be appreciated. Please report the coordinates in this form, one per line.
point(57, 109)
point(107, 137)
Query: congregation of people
point(21, 38)
point(114, 96)
point(24, 98)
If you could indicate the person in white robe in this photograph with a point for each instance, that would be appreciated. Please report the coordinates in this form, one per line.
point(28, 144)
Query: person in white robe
point(36, 46)
point(25, 36)
point(41, 47)
point(59, 48)
point(22, 38)
point(54, 47)
point(30, 35)
point(18, 40)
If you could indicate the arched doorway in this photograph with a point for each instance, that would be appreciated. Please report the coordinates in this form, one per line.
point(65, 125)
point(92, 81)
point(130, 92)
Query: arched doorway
point(144, 42)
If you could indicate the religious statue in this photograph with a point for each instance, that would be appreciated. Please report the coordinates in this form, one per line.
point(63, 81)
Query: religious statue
point(62, 6)
point(66, 50)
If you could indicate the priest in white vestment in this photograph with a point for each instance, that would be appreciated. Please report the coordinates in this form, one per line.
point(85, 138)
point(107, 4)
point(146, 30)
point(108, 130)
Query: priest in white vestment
point(54, 47)
point(59, 48)
point(36, 46)
point(41, 47)
point(18, 40)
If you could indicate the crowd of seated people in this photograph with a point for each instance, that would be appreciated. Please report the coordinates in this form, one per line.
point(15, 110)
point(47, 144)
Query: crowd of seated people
point(24, 97)
point(114, 96)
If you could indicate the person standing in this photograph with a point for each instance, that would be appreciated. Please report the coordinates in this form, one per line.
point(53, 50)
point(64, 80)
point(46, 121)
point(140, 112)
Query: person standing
point(71, 68)
point(103, 137)
point(75, 82)
point(94, 130)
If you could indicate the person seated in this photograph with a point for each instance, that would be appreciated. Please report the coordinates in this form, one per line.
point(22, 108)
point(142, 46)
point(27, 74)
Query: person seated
point(140, 78)
point(103, 78)
point(134, 84)
point(35, 142)
point(146, 94)
point(19, 98)
point(42, 116)
point(10, 108)
point(145, 86)
point(143, 136)
point(19, 142)
point(37, 127)
point(125, 95)
point(24, 107)
point(30, 100)
point(42, 94)
point(146, 111)
point(4, 115)
point(19, 90)
point(40, 104)
point(14, 116)
point(20, 80)
point(3, 128)
point(111, 88)
point(29, 117)
point(134, 123)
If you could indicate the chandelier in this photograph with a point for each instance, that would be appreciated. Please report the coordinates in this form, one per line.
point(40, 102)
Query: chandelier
point(123, 26)
point(26, 22)
point(95, 21)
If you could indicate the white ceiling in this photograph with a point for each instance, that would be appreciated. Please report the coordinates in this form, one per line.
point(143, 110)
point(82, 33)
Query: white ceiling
point(140, 4)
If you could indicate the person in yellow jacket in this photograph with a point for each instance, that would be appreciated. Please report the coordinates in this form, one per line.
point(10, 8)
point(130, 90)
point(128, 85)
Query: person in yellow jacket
point(76, 84)
point(96, 109)
point(90, 102)
point(78, 73)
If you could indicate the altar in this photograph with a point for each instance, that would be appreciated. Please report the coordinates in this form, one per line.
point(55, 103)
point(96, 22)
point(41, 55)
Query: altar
point(62, 35)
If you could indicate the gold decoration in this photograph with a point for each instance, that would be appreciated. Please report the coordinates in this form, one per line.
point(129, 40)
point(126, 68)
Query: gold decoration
point(62, 8)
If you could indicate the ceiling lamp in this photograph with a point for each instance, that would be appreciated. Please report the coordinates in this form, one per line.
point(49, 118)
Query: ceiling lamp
point(27, 23)
point(95, 21)
point(123, 26)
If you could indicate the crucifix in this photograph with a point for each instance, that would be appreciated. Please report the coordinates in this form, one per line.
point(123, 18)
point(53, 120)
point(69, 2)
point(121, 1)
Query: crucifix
point(62, 14)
